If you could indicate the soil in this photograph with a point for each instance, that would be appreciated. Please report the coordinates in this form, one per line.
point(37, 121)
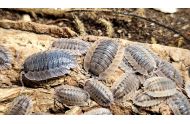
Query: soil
point(126, 27)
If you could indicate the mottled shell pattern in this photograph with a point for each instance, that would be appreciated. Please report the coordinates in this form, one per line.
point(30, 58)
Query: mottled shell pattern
point(179, 104)
point(159, 87)
point(74, 46)
point(103, 58)
point(166, 69)
point(48, 64)
point(5, 58)
point(127, 83)
point(139, 59)
point(71, 96)
point(21, 105)
point(99, 92)
point(144, 100)
point(98, 111)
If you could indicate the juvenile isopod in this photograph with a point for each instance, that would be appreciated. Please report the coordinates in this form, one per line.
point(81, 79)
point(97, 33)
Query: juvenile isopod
point(99, 92)
point(179, 104)
point(98, 111)
point(71, 96)
point(21, 105)
point(159, 87)
point(139, 59)
point(144, 100)
point(166, 69)
point(127, 83)
point(5, 58)
point(75, 46)
point(103, 58)
point(48, 64)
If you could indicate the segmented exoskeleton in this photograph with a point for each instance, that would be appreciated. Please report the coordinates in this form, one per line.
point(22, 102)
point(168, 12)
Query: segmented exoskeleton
point(103, 58)
point(127, 83)
point(5, 58)
point(21, 105)
point(71, 96)
point(48, 64)
point(138, 59)
point(98, 111)
point(99, 92)
point(179, 104)
point(144, 100)
point(166, 69)
point(159, 87)
point(74, 46)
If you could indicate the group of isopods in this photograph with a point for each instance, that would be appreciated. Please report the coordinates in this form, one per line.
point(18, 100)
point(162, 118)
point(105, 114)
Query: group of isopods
point(147, 80)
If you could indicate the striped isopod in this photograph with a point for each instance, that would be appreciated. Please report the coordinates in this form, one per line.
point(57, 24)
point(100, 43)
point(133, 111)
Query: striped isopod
point(71, 96)
point(5, 58)
point(139, 59)
point(98, 111)
point(144, 100)
point(179, 104)
point(187, 88)
point(99, 92)
point(75, 46)
point(128, 83)
point(48, 64)
point(166, 69)
point(159, 87)
point(103, 58)
point(21, 105)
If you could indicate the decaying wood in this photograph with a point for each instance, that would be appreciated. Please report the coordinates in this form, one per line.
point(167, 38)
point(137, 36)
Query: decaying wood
point(23, 44)
point(52, 30)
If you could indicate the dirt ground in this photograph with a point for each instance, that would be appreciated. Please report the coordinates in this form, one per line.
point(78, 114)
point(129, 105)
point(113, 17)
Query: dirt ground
point(121, 26)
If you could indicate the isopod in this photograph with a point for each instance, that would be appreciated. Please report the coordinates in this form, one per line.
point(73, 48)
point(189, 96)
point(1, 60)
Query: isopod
point(139, 59)
point(48, 64)
point(75, 46)
point(21, 105)
point(128, 83)
point(98, 111)
point(179, 104)
point(99, 92)
point(5, 58)
point(166, 69)
point(144, 100)
point(103, 58)
point(71, 96)
point(159, 87)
